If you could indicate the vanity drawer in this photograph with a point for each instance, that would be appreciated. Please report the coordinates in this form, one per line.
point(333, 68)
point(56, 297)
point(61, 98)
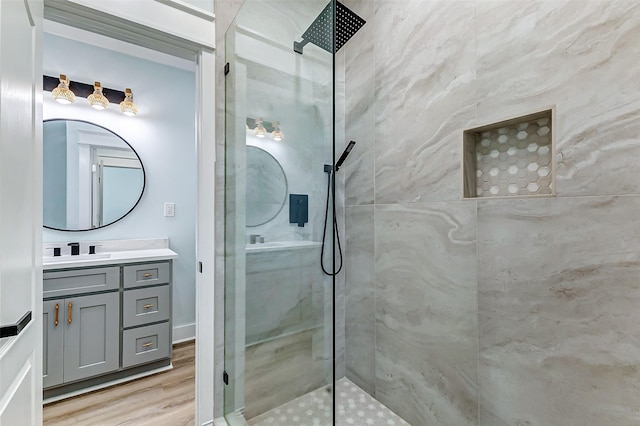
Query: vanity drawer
point(87, 280)
point(146, 305)
point(145, 344)
point(148, 274)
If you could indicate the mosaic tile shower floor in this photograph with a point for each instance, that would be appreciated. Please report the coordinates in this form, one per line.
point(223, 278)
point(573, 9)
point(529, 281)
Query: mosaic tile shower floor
point(354, 407)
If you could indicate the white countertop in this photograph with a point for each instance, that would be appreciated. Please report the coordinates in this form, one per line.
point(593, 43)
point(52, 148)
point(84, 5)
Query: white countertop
point(115, 257)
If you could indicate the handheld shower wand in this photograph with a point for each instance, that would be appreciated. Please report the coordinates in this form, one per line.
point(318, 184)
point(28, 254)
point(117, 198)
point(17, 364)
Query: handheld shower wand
point(344, 155)
point(330, 170)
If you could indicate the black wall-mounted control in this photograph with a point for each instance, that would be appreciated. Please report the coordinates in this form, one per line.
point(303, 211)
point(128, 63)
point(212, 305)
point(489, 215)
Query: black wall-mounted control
point(298, 209)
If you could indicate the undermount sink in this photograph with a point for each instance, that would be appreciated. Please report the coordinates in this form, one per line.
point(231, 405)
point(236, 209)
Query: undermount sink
point(80, 257)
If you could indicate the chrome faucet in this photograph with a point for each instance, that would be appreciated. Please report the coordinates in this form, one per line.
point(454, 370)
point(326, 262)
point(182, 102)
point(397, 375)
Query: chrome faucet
point(254, 238)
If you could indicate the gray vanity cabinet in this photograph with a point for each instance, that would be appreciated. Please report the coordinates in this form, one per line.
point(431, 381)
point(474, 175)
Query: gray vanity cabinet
point(81, 332)
point(80, 338)
point(52, 342)
point(146, 313)
point(91, 336)
point(104, 323)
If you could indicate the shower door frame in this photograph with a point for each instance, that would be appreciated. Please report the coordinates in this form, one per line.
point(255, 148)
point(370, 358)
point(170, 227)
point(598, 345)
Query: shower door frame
point(230, 69)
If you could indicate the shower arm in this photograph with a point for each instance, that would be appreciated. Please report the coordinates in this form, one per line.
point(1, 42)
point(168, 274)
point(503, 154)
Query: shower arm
point(298, 46)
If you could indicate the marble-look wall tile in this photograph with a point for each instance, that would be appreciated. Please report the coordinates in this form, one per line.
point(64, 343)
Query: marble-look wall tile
point(424, 97)
point(279, 295)
point(280, 370)
point(360, 297)
point(360, 101)
point(426, 312)
point(579, 56)
point(558, 311)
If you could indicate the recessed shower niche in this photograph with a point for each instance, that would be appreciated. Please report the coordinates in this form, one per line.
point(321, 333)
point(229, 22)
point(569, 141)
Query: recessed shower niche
point(510, 158)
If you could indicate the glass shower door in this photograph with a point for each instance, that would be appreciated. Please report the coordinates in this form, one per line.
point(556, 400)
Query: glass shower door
point(279, 305)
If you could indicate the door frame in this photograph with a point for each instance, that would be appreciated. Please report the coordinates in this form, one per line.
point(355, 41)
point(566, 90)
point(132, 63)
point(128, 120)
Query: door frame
point(188, 35)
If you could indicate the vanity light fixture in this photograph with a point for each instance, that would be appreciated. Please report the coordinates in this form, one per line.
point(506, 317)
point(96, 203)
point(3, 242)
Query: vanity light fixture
point(260, 128)
point(62, 94)
point(259, 131)
point(277, 133)
point(127, 106)
point(97, 100)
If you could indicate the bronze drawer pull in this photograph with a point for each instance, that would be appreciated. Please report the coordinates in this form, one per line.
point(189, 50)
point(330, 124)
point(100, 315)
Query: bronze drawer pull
point(148, 306)
point(69, 312)
point(55, 320)
point(147, 275)
point(146, 345)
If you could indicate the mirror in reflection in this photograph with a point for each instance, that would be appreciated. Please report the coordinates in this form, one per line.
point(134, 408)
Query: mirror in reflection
point(92, 177)
point(266, 186)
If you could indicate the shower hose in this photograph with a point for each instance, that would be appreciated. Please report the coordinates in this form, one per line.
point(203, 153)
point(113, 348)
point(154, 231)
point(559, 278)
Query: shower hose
point(333, 273)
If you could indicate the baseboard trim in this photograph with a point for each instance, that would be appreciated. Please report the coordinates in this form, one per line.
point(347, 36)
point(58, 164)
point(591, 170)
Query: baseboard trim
point(184, 333)
point(70, 394)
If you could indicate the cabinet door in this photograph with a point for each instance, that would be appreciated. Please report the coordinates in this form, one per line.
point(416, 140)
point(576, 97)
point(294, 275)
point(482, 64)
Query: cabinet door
point(91, 338)
point(52, 342)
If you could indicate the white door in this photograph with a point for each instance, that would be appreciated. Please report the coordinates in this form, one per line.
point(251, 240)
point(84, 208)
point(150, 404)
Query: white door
point(20, 211)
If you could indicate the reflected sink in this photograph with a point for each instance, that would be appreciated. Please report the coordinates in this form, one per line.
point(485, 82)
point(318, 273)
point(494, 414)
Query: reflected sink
point(281, 245)
point(78, 258)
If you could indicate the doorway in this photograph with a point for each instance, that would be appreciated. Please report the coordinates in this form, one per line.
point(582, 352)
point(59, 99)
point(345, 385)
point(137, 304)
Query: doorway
point(197, 56)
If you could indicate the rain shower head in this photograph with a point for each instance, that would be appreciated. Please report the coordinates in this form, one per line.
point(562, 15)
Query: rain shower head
point(320, 32)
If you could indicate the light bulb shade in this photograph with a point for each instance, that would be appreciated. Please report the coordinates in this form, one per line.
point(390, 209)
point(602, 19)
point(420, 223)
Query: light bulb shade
point(127, 106)
point(260, 131)
point(97, 100)
point(62, 94)
point(277, 133)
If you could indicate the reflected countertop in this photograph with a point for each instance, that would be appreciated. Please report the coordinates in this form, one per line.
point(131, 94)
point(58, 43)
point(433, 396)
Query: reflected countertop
point(281, 245)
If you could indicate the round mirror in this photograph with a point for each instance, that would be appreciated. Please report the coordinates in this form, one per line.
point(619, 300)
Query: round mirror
point(266, 186)
point(92, 177)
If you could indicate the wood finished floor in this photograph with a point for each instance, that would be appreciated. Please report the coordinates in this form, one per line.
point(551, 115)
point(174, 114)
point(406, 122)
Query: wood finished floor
point(162, 399)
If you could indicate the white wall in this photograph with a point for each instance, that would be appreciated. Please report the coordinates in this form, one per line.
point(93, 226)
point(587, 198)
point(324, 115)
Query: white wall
point(163, 134)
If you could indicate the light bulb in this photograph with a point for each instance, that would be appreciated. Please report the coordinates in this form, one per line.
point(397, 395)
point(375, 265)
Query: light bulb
point(277, 133)
point(260, 131)
point(62, 94)
point(127, 106)
point(97, 100)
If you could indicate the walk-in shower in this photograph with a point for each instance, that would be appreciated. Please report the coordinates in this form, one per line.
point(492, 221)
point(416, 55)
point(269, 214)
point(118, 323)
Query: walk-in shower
point(471, 294)
point(284, 289)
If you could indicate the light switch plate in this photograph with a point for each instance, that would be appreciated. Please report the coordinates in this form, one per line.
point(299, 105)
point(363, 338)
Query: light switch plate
point(169, 209)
